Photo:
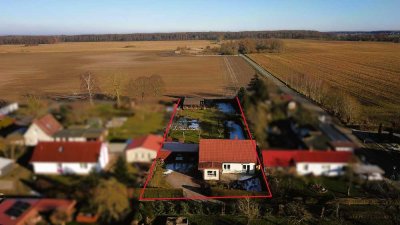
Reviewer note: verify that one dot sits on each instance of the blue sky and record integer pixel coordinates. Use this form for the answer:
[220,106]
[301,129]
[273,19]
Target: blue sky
[128,16]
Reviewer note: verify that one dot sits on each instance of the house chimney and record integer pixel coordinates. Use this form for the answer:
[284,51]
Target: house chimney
[60,149]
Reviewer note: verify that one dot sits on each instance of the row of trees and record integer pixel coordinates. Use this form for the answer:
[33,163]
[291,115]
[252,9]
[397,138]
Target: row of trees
[289,34]
[338,102]
[253,99]
[296,34]
[247,46]
[141,87]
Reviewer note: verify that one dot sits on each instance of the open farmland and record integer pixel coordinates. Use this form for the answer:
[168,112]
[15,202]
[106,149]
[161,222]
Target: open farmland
[369,71]
[56,68]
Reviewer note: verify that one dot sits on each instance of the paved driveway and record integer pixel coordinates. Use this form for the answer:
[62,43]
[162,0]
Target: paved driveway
[191,187]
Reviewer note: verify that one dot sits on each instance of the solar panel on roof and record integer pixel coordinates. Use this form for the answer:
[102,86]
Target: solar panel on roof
[17,209]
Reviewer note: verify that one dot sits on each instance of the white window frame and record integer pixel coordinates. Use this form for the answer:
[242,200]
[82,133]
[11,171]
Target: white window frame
[211,173]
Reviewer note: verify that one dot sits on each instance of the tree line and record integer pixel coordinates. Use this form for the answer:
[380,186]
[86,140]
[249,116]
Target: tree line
[280,34]
[247,46]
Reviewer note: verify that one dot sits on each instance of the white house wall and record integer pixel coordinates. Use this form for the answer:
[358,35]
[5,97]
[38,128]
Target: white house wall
[140,155]
[238,168]
[318,169]
[66,168]
[104,157]
[5,110]
[34,134]
[206,177]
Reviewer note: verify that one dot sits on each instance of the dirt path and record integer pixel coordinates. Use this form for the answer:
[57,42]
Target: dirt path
[231,77]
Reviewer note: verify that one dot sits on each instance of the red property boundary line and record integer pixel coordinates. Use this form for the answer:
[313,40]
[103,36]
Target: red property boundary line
[141,198]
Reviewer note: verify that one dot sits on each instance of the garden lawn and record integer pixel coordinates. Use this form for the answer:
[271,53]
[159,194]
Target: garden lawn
[211,123]
[145,121]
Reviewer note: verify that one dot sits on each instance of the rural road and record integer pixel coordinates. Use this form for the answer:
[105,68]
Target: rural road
[284,88]
[304,101]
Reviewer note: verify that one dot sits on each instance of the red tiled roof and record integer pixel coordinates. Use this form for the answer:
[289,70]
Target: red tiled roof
[225,150]
[163,154]
[67,152]
[323,156]
[48,124]
[283,158]
[35,206]
[278,158]
[151,142]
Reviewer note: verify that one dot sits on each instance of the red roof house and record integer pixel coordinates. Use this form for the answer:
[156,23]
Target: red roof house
[42,129]
[69,157]
[25,211]
[226,156]
[143,149]
[314,162]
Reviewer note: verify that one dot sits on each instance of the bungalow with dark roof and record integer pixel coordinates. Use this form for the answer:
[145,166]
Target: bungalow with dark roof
[69,157]
[42,129]
[327,163]
[220,156]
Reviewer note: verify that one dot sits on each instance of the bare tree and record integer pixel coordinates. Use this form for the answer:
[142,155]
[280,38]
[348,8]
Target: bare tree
[116,89]
[157,84]
[249,208]
[89,84]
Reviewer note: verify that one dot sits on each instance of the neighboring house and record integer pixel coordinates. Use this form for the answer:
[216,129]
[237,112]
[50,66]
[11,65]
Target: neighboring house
[15,211]
[69,157]
[6,165]
[81,134]
[347,146]
[219,156]
[368,172]
[42,129]
[143,149]
[327,163]
[7,107]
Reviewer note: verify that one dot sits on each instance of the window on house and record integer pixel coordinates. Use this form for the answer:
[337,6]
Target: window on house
[211,173]
[83,165]
[136,155]
[306,167]
[326,167]
[149,155]
[227,167]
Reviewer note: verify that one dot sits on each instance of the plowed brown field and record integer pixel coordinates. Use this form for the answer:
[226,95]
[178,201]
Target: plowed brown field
[55,68]
[370,71]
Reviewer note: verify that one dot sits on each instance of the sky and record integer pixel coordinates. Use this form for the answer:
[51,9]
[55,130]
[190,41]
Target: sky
[46,17]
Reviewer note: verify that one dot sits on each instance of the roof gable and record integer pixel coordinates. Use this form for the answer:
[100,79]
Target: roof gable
[64,152]
[48,124]
[150,142]
[226,150]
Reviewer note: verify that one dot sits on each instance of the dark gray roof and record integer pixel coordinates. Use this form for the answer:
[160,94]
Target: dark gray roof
[180,147]
[76,132]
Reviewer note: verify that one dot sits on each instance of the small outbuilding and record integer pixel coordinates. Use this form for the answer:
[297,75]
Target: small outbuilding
[6,165]
[193,103]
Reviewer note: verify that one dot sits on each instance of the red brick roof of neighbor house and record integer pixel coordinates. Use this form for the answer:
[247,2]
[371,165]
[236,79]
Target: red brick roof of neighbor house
[283,158]
[81,152]
[226,151]
[48,124]
[151,142]
[163,154]
[33,206]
